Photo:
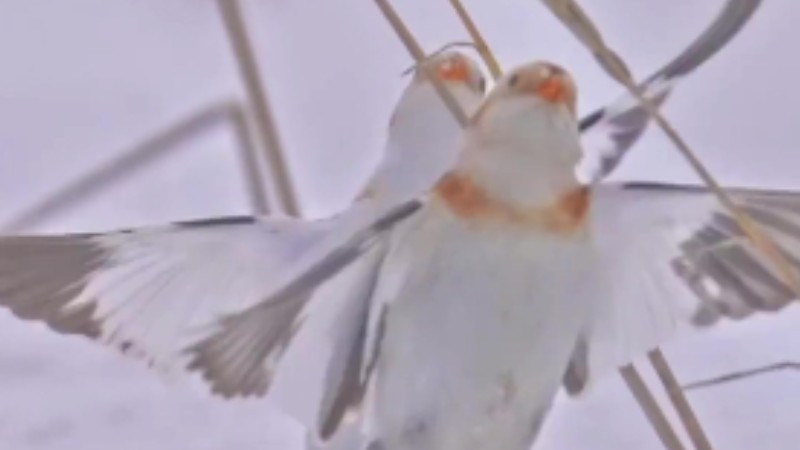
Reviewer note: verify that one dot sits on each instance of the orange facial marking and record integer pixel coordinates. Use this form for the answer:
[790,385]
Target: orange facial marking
[466,199]
[455,69]
[552,89]
[558,88]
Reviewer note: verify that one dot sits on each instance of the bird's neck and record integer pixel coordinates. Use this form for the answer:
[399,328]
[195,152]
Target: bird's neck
[421,99]
[422,142]
[527,160]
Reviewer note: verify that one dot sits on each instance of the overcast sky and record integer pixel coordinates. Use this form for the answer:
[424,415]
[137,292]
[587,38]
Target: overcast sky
[81,81]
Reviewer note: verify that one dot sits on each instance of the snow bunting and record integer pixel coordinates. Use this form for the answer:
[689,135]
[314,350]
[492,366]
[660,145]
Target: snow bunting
[516,277]
[110,287]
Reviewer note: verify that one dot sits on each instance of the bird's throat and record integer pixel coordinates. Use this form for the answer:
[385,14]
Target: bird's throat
[468,200]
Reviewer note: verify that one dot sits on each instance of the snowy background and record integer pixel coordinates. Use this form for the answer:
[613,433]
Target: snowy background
[83,80]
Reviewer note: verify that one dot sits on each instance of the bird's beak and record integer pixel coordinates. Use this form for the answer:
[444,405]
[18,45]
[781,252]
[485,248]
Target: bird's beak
[557,89]
[554,89]
[455,70]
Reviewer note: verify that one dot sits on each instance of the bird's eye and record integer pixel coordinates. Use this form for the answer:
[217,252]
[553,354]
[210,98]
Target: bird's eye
[513,80]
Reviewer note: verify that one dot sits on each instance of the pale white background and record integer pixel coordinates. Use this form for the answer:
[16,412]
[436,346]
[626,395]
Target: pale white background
[82,80]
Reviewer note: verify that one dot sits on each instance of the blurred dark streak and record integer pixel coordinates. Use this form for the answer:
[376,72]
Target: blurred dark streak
[741,375]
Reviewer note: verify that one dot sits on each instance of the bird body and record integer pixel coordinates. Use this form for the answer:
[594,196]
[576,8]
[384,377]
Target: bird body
[481,329]
[478,337]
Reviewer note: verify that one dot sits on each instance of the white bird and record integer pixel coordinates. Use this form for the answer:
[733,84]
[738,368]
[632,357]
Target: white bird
[512,266]
[515,274]
[159,292]
[495,271]
[418,151]
[422,134]
[190,295]
[607,135]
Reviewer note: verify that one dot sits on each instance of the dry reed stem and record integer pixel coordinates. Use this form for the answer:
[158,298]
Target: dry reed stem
[265,124]
[477,38]
[145,154]
[573,16]
[679,400]
[649,405]
[419,56]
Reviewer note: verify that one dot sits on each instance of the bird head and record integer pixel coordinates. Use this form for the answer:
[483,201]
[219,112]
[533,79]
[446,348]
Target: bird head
[537,85]
[454,69]
[523,143]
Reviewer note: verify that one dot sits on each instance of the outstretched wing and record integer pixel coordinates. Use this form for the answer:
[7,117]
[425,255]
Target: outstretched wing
[155,293]
[609,132]
[673,257]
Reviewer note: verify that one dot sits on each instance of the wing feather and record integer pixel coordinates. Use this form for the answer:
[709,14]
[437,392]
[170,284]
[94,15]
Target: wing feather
[158,293]
[608,133]
[673,257]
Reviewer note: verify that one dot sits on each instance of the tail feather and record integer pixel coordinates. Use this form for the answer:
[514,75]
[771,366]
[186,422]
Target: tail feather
[240,359]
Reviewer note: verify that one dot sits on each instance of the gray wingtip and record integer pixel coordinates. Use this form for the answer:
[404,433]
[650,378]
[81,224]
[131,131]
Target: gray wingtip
[240,358]
[41,277]
[212,359]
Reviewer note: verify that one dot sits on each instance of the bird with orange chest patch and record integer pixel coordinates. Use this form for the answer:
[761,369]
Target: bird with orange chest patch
[606,135]
[515,277]
[481,328]
[154,293]
[466,197]
[224,296]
